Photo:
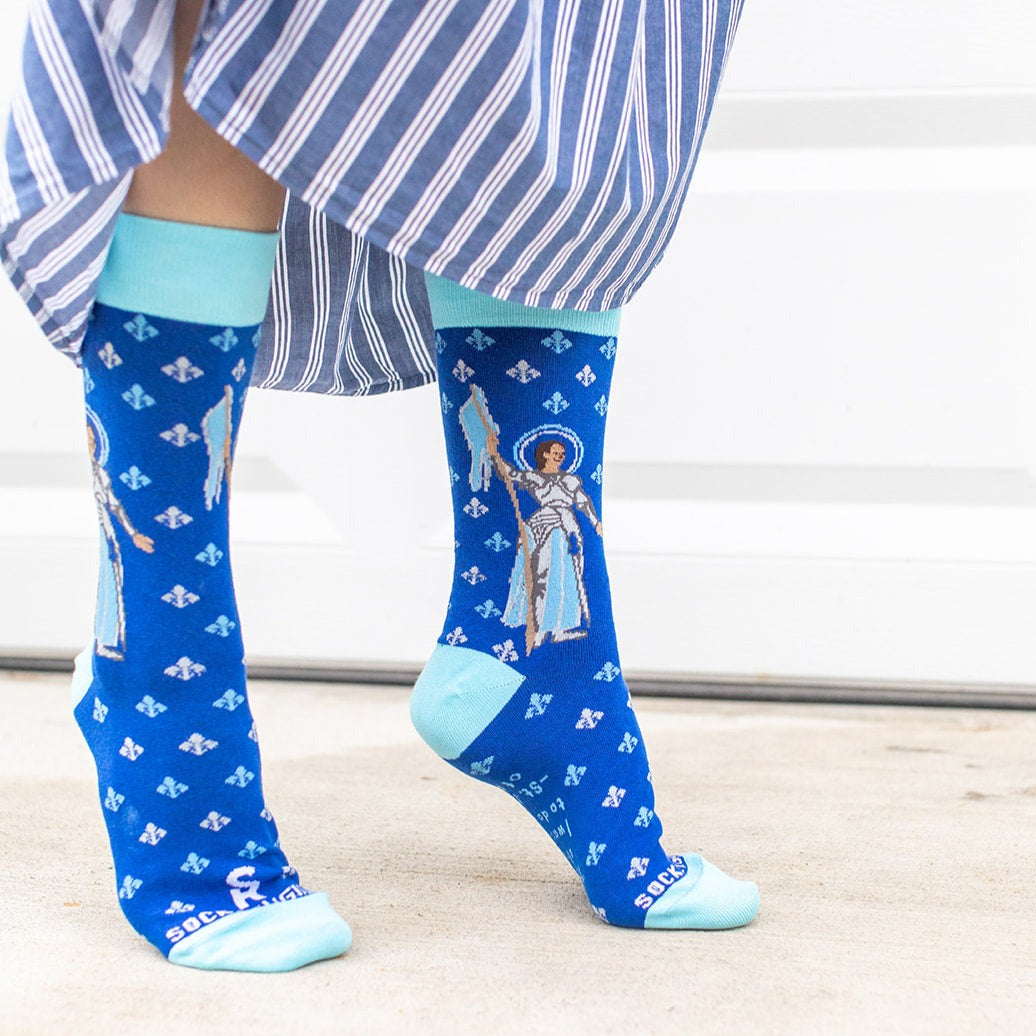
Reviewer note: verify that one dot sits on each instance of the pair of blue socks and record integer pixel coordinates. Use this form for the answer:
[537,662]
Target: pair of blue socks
[523,691]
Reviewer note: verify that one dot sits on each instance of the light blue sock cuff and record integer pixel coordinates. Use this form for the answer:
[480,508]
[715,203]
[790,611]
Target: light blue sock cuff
[183,271]
[455,306]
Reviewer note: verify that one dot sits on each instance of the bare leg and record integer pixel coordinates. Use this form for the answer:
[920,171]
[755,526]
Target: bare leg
[199,177]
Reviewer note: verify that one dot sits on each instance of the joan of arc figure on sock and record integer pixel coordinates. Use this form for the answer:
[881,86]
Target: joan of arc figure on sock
[110,625]
[548,568]
[217,428]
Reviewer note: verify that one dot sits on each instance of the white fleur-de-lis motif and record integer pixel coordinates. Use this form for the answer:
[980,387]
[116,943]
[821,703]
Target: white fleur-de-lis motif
[140,329]
[628,743]
[497,543]
[586,376]
[229,700]
[129,887]
[171,788]
[574,775]
[588,719]
[479,340]
[100,710]
[454,477]
[600,912]
[538,704]
[135,479]
[240,369]
[601,406]
[644,817]
[180,597]
[179,435]
[173,518]
[176,907]
[607,672]
[556,403]
[557,342]
[252,850]
[462,371]
[109,357]
[225,340]
[88,382]
[455,637]
[182,370]
[445,403]
[194,864]
[523,372]
[198,744]
[614,797]
[594,853]
[152,834]
[505,651]
[265,814]
[222,626]
[488,609]
[598,474]
[215,821]
[440,343]
[609,348]
[184,669]
[482,769]
[253,734]
[131,750]
[113,800]
[638,867]
[149,706]
[210,556]
[138,398]
[475,508]
[240,778]
[473,575]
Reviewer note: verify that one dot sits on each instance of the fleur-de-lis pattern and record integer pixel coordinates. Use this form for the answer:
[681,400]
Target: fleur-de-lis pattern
[134,478]
[182,794]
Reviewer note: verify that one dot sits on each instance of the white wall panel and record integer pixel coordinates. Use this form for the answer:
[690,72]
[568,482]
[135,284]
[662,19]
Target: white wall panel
[822,455]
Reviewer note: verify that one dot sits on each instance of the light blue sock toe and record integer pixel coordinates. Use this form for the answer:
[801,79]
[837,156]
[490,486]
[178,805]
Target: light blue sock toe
[714,901]
[279,937]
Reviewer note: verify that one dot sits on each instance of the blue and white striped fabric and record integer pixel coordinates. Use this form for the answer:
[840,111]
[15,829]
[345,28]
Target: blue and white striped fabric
[537,151]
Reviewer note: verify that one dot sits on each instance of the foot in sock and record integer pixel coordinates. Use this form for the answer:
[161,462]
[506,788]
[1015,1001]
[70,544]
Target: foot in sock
[524,690]
[161,696]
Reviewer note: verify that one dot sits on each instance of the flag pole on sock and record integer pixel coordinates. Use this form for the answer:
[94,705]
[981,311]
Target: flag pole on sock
[523,536]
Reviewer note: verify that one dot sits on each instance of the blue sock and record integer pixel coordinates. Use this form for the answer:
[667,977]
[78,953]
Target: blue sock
[161,695]
[524,690]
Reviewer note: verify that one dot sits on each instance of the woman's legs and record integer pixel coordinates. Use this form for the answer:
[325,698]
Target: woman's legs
[524,690]
[199,177]
[162,694]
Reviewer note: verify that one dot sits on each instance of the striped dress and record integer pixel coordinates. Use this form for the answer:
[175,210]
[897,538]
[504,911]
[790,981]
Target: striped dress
[536,150]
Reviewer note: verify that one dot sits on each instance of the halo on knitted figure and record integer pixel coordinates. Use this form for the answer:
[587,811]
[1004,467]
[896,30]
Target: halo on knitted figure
[102,447]
[548,431]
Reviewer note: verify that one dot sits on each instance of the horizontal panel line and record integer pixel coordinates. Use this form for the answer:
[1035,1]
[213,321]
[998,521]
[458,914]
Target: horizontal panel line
[801,691]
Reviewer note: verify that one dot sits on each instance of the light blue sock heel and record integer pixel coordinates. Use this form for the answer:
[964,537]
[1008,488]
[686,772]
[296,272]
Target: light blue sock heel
[458,694]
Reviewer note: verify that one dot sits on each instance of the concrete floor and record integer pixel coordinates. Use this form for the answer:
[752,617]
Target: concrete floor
[894,849]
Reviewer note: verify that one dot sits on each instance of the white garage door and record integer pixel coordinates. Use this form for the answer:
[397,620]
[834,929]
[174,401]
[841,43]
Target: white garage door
[822,455]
